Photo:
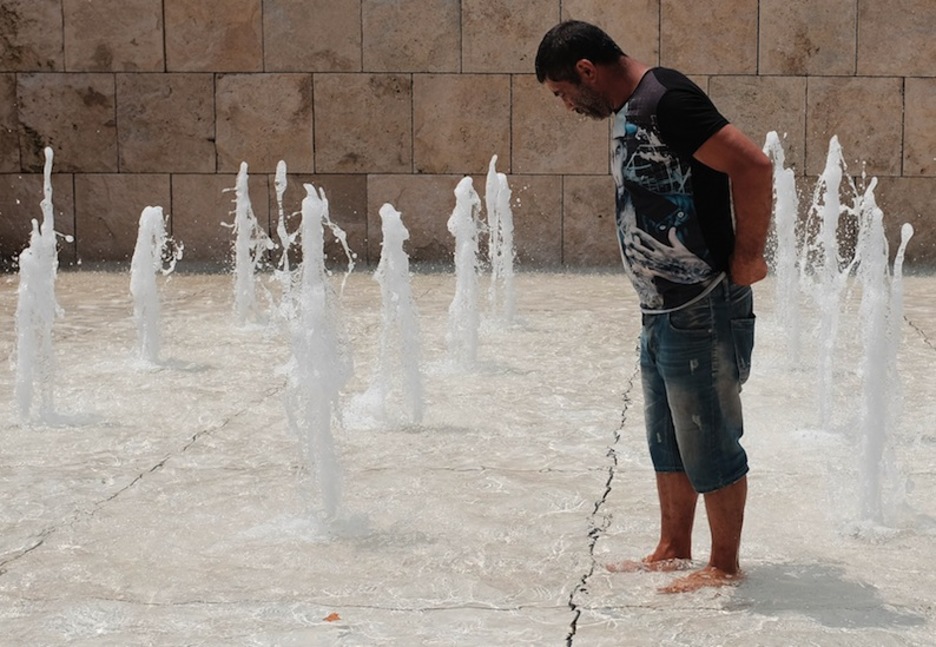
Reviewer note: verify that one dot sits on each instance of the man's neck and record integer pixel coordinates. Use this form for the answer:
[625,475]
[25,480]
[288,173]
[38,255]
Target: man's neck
[624,78]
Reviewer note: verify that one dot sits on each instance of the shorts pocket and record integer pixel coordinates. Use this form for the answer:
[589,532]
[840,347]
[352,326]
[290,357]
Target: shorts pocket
[742,333]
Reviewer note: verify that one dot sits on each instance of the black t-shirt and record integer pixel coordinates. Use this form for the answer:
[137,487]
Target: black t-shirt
[673,212]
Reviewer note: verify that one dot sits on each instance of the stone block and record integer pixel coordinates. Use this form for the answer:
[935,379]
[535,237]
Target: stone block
[709,37]
[107,212]
[425,202]
[895,37]
[460,121]
[214,36]
[9,125]
[363,123]
[20,198]
[910,200]
[760,104]
[411,35]
[31,36]
[589,234]
[548,138]
[165,123]
[262,119]
[113,36]
[807,37]
[865,114]
[500,36]
[536,204]
[72,113]
[633,24]
[919,134]
[201,207]
[312,35]
[347,208]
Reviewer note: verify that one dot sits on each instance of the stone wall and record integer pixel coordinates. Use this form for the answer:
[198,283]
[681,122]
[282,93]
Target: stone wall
[157,102]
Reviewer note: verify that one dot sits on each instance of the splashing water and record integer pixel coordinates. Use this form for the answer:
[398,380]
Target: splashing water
[286,239]
[152,247]
[500,247]
[249,245]
[320,365]
[36,310]
[463,312]
[786,210]
[881,313]
[881,489]
[400,323]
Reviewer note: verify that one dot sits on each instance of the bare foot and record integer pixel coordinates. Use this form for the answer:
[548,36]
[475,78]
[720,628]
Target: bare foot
[704,578]
[649,564]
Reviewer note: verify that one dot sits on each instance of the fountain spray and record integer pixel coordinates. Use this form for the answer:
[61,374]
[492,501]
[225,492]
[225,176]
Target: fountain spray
[249,244]
[400,323]
[37,309]
[463,319]
[786,210]
[152,247]
[500,247]
[320,365]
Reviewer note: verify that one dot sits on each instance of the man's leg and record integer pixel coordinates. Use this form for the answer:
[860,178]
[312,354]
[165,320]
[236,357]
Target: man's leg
[677,514]
[725,509]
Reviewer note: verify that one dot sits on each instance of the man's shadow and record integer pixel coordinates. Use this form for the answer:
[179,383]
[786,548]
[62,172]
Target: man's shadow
[821,592]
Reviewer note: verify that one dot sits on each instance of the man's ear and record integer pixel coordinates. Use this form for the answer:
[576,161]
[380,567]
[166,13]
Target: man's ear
[586,70]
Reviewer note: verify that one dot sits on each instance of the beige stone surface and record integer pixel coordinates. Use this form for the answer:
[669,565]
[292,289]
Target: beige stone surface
[895,37]
[201,207]
[72,113]
[865,114]
[113,35]
[312,35]
[347,208]
[460,121]
[920,127]
[633,24]
[165,123]
[31,36]
[20,195]
[548,138]
[425,202]
[709,37]
[589,234]
[9,124]
[411,35]
[213,36]
[107,212]
[913,201]
[363,123]
[500,36]
[264,118]
[536,203]
[815,37]
[760,104]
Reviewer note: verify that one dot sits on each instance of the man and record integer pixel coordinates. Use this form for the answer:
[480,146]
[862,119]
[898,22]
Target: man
[693,206]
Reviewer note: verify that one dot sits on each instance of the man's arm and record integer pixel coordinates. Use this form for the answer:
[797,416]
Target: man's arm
[751,175]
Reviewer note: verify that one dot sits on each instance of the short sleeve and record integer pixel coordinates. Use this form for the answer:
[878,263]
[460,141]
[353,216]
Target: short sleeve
[687,118]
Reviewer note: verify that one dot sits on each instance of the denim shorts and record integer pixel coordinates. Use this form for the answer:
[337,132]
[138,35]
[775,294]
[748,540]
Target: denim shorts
[693,362]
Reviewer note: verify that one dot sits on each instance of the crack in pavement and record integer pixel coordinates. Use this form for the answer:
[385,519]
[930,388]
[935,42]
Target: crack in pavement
[599,522]
[98,505]
[920,332]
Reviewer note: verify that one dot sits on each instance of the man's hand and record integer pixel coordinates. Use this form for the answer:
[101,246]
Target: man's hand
[747,271]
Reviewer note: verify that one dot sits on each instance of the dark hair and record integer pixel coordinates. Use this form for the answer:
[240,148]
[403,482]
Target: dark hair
[569,42]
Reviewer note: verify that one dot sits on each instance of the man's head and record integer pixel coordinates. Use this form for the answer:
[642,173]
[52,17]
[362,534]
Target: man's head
[569,42]
[569,62]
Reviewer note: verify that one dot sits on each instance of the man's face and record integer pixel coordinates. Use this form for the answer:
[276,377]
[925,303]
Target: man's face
[581,98]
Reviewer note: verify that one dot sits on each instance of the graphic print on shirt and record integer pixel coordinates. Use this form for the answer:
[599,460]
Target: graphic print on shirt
[658,231]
